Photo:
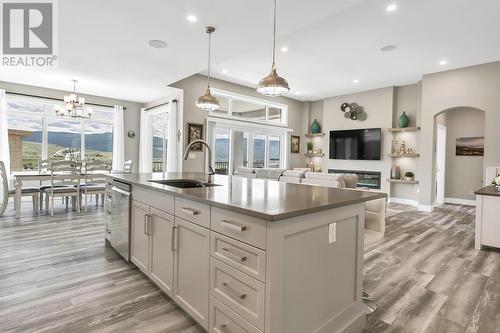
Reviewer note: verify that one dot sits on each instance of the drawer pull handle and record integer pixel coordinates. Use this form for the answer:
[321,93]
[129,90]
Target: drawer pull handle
[224,328]
[242,259]
[231,225]
[190,211]
[240,295]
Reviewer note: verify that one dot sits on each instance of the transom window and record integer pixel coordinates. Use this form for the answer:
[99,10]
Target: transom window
[245,108]
[36,133]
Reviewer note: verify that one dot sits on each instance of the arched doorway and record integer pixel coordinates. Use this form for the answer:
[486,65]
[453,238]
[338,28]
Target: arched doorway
[458,165]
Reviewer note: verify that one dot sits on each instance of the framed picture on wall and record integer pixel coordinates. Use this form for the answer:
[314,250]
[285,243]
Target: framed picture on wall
[470,146]
[195,132]
[295,144]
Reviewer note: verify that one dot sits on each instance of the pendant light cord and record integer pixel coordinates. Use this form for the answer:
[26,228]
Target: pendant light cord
[274,35]
[209,56]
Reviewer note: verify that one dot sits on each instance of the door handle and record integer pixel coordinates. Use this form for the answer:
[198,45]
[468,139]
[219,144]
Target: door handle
[232,225]
[190,211]
[235,256]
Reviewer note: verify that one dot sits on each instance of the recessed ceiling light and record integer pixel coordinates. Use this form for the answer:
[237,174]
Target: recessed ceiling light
[224,71]
[355,81]
[298,93]
[388,48]
[192,18]
[392,7]
[284,49]
[443,62]
[157,44]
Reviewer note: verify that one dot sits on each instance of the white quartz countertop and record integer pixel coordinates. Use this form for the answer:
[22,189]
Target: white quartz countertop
[267,199]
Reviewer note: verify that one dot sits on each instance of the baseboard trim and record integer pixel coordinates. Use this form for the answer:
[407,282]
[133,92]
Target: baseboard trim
[425,208]
[457,201]
[404,201]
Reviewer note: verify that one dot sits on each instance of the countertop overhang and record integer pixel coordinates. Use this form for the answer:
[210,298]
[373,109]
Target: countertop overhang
[266,199]
[488,190]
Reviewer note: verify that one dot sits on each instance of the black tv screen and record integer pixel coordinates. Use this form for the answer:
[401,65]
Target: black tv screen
[359,144]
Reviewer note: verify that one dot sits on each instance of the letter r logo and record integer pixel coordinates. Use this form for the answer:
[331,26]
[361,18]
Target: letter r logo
[27,28]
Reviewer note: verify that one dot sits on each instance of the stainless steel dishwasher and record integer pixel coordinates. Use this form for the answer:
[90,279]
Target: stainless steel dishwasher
[117,206]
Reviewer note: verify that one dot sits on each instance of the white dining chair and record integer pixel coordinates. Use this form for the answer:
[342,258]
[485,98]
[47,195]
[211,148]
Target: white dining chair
[64,182]
[94,182]
[6,193]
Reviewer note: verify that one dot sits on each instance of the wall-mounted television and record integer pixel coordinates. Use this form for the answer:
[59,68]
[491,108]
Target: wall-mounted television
[359,144]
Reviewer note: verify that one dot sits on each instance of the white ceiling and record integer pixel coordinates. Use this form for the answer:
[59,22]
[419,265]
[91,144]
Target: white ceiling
[104,44]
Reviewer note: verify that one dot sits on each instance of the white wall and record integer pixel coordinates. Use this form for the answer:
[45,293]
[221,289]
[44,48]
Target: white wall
[195,85]
[378,105]
[131,114]
[464,174]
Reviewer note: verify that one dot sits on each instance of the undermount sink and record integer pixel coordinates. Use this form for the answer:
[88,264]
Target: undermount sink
[183,183]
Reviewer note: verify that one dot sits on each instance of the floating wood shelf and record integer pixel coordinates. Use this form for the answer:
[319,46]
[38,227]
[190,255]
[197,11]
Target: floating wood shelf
[402,181]
[405,129]
[311,135]
[314,155]
[404,155]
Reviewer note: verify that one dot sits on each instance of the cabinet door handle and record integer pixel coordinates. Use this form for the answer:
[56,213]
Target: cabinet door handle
[149,224]
[224,328]
[232,225]
[146,224]
[190,211]
[234,256]
[173,242]
[234,291]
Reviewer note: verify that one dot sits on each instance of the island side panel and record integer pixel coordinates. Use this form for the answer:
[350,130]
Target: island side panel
[314,285]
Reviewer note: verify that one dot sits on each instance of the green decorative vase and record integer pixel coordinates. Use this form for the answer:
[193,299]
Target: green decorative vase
[403,120]
[315,128]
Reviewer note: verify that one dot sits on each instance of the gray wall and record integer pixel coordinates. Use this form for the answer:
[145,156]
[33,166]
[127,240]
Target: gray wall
[477,87]
[195,85]
[131,114]
[464,174]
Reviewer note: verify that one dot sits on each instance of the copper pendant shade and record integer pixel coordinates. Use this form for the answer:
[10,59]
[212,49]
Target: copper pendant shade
[208,102]
[273,85]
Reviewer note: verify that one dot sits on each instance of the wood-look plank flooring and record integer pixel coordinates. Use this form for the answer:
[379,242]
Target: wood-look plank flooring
[57,276]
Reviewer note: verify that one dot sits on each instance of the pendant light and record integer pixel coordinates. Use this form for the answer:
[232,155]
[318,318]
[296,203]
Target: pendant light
[208,102]
[273,85]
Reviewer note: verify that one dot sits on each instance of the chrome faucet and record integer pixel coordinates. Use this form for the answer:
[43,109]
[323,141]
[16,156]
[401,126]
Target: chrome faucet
[203,142]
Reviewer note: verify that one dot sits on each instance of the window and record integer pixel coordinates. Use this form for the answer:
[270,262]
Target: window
[240,148]
[259,150]
[159,122]
[244,108]
[222,151]
[274,154]
[36,133]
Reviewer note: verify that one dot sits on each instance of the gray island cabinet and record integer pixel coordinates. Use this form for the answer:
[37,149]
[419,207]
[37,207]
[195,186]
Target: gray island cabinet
[253,255]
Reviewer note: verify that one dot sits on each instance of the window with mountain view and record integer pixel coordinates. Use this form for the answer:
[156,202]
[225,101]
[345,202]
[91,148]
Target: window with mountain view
[36,133]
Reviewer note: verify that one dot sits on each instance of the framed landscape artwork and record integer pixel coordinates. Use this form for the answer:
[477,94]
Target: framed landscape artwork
[295,144]
[195,132]
[470,146]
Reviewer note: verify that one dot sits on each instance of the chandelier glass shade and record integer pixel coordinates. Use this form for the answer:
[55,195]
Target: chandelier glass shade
[207,101]
[273,85]
[74,106]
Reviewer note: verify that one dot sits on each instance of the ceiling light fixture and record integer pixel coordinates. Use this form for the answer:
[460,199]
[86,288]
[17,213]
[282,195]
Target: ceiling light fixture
[74,106]
[355,81]
[157,44]
[443,62]
[388,48]
[192,18]
[273,85]
[392,7]
[224,71]
[284,49]
[208,102]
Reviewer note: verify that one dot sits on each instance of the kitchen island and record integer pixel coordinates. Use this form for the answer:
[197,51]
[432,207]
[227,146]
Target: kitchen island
[250,255]
[487,221]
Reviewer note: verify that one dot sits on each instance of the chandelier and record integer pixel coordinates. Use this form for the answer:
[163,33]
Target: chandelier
[74,106]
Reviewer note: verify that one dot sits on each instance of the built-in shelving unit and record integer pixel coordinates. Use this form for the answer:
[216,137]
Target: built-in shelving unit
[313,135]
[404,155]
[404,129]
[402,181]
[314,155]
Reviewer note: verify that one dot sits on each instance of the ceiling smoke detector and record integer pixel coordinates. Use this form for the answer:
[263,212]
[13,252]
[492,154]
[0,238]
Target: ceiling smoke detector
[388,48]
[157,44]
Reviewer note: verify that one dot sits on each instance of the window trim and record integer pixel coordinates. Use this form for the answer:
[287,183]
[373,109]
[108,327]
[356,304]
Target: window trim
[265,103]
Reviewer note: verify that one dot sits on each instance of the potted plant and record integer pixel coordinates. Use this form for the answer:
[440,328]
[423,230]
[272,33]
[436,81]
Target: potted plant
[409,175]
[309,147]
[496,183]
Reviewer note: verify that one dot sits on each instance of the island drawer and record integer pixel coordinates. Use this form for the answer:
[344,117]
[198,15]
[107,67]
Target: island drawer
[193,211]
[240,292]
[246,258]
[245,228]
[156,199]
[224,320]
